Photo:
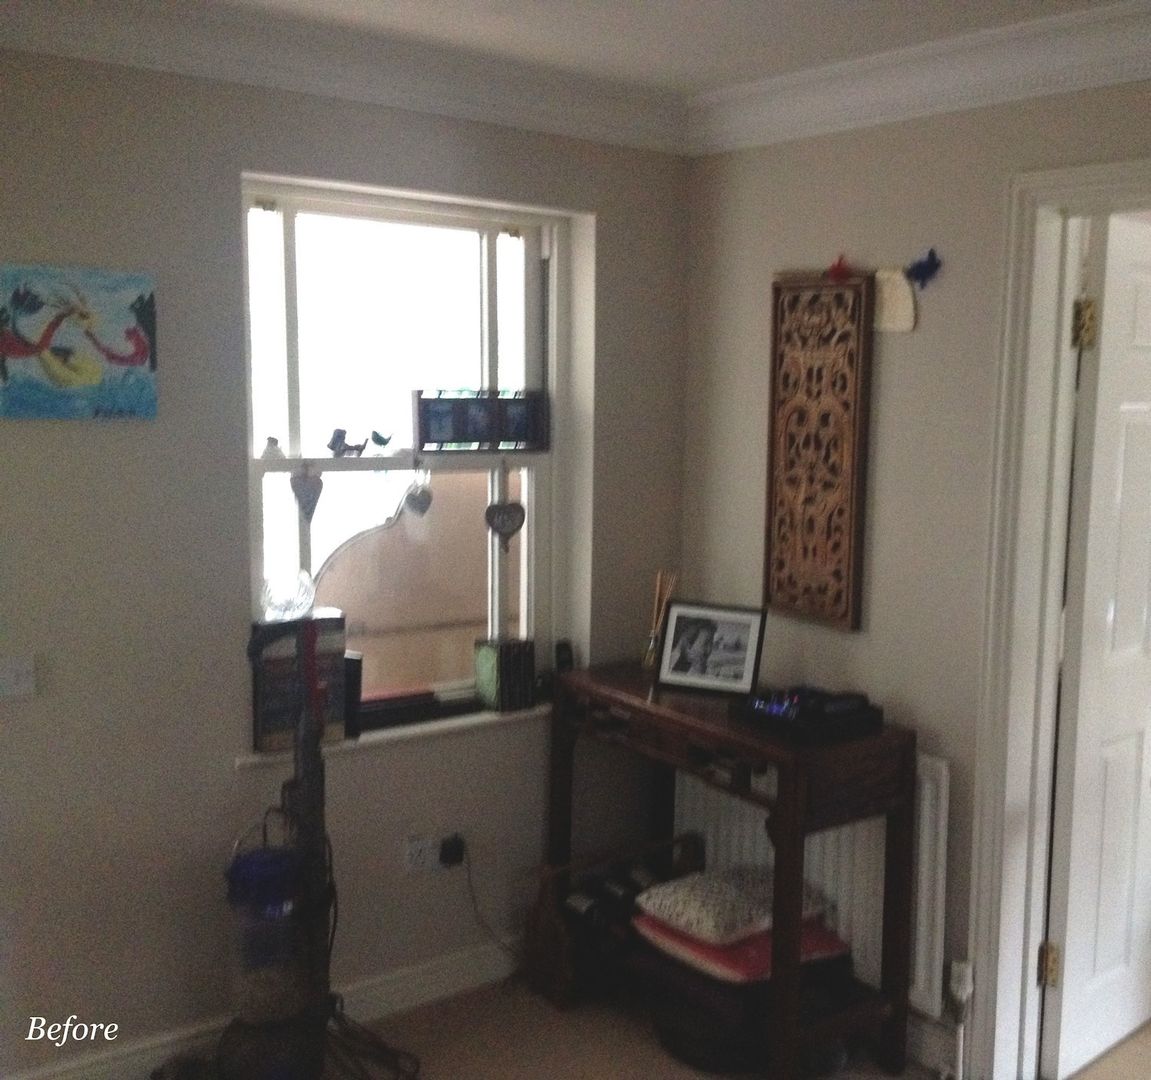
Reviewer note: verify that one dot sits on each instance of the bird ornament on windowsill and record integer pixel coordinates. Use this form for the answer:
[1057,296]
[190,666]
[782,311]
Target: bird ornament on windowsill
[340,447]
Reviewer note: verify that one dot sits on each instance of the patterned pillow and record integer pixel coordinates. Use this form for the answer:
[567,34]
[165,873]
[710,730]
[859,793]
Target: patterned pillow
[759,882]
[721,907]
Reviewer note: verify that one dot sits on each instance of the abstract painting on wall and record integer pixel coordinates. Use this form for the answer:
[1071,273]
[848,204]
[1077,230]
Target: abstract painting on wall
[76,344]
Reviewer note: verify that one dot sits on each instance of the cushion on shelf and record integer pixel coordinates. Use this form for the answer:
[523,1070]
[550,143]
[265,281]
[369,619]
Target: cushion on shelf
[745,961]
[721,907]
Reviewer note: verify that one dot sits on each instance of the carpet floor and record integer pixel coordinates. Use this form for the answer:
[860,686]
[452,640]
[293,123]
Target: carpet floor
[505,1032]
[1130,1060]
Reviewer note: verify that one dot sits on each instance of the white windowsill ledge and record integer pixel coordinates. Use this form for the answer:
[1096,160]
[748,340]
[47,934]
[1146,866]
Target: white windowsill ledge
[425,729]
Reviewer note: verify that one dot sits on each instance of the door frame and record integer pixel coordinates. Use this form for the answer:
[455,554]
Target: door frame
[1015,723]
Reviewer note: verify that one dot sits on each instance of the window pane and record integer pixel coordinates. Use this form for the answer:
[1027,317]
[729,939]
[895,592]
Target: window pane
[281,529]
[516,566]
[510,310]
[350,503]
[414,591]
[385,308]
[266,328]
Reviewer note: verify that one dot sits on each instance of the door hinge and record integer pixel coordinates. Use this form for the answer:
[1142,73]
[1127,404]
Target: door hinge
[1084,323]
[1050,965]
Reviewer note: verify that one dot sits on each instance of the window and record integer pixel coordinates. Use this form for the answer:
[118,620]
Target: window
[354,302]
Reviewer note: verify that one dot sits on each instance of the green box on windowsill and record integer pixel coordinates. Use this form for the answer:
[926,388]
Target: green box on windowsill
[506,674]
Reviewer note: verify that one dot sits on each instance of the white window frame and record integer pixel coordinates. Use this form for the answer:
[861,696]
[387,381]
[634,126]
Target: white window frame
[546,236]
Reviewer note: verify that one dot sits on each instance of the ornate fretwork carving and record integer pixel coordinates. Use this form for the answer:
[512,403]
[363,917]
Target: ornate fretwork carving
[820,359]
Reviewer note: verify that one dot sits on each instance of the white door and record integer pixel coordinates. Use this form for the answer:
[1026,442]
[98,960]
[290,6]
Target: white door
[1100,905]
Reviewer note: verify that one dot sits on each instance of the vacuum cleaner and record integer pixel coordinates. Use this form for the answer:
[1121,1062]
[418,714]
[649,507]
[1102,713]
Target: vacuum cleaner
[291,1026]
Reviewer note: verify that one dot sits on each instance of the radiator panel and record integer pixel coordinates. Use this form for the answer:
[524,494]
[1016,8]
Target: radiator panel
[847,863]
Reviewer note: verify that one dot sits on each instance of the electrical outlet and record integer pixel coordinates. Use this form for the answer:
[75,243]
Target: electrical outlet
[421,853]
[424,852]
[17,677]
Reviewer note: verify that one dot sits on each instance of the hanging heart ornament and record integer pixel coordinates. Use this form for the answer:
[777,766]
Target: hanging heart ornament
[307,487]
[505,520]
[418,499]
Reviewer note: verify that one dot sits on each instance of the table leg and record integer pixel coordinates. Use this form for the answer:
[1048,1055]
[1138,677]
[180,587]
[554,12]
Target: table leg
[561,768]
[895,979]
[661,816]
[787,915]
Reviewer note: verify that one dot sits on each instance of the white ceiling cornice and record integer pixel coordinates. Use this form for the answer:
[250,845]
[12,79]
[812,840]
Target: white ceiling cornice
[1094,47]
[334,61]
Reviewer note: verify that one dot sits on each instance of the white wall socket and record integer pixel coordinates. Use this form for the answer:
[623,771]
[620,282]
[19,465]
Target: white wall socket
[421,853]
[17,677]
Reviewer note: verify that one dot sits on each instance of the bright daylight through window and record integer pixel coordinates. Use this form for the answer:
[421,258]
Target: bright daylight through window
[354,302]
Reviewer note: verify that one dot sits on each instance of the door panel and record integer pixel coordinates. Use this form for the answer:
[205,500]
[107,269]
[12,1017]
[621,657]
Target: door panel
[1132,587]
[1122,761]
[1100,910]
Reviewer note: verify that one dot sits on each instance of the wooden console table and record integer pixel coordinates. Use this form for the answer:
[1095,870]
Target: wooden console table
[815,788]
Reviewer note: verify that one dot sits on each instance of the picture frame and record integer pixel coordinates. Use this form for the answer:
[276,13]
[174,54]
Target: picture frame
[480,421]
[710,647]
[817,450]
[77,343]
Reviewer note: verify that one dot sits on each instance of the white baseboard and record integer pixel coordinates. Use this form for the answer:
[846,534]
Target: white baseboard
[405,988]
[366,1000]
[931,1043]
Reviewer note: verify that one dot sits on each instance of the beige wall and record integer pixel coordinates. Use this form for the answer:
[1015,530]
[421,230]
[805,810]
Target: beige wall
[125,555]
[124,566]
[882,197]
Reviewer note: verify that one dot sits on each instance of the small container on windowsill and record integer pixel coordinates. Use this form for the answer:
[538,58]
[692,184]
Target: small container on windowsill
[505,673]
[353,687]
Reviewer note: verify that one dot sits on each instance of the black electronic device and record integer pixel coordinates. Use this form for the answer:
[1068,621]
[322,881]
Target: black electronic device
[809,715]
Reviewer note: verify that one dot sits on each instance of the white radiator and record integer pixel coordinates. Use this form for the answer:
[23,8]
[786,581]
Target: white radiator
[847,864]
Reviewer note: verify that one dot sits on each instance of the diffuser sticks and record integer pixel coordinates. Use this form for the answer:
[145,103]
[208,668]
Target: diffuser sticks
[665,583]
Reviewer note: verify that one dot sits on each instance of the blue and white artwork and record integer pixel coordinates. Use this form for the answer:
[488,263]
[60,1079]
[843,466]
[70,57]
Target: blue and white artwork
[76,344]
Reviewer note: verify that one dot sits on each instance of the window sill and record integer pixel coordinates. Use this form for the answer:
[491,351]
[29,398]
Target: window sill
[382,737]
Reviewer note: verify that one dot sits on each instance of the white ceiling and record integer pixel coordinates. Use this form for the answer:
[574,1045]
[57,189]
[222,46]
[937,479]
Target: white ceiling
[688,76]
[680,46]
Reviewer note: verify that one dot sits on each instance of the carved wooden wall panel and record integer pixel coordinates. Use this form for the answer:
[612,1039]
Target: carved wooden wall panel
[820,361]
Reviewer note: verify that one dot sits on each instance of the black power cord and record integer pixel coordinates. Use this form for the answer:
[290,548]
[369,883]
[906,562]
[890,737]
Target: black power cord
[351,1045]
[454,851]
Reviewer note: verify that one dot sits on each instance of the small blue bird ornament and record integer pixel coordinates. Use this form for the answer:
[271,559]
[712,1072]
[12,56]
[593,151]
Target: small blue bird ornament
[923,270]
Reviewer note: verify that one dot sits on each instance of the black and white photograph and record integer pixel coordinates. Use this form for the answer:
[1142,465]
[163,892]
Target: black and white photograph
[711,648]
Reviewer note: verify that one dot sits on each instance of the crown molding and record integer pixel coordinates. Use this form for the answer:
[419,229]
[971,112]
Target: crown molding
[1096,47]
[232,45]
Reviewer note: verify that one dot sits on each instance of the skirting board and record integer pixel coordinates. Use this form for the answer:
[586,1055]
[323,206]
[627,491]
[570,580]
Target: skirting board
[929,1042]
[366,1000]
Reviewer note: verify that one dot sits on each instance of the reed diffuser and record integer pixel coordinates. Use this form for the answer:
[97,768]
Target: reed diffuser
[665,582]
